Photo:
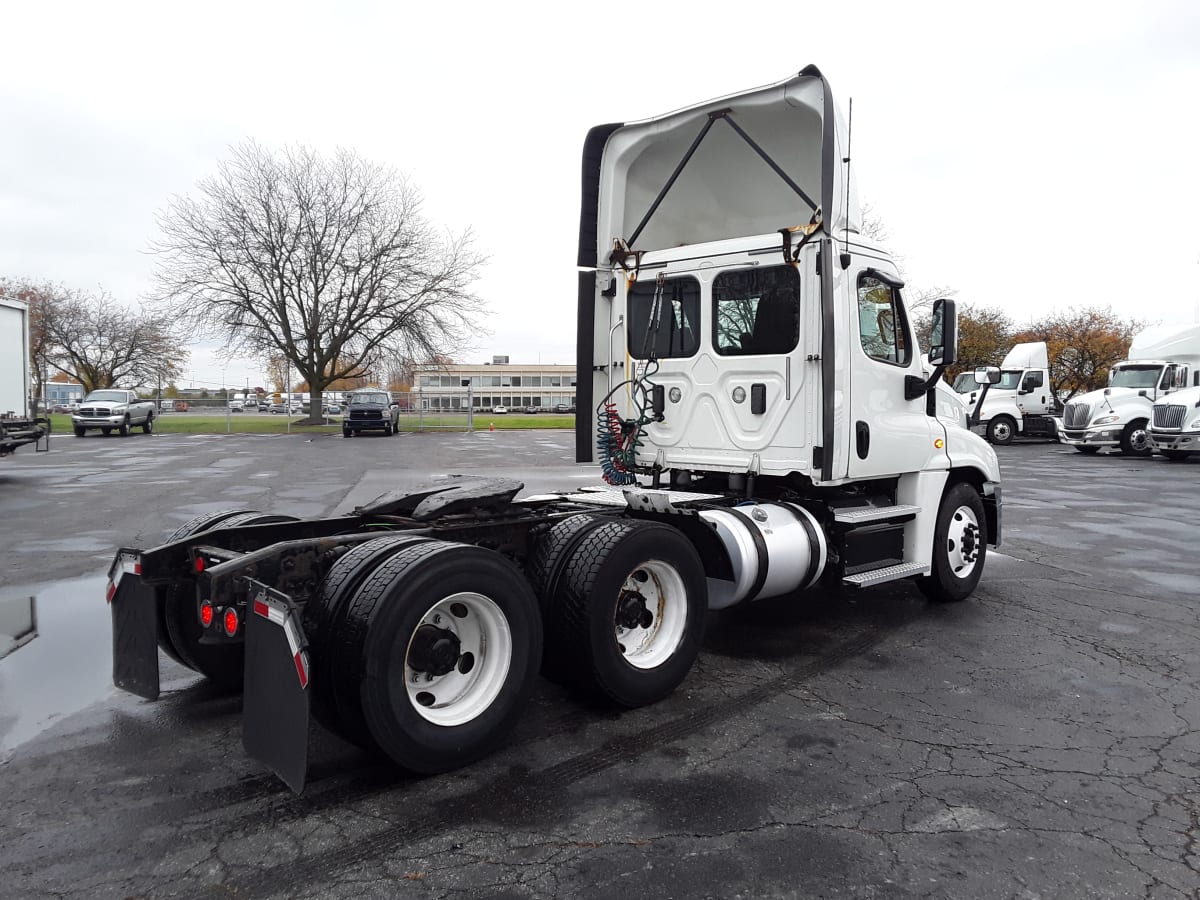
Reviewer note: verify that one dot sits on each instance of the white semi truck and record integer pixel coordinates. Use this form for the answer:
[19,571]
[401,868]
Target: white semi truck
[19,425]
[1021,404]
[760,409]
[1161,360]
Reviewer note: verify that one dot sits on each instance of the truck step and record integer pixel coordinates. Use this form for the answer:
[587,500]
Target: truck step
[859,515]
[887,573]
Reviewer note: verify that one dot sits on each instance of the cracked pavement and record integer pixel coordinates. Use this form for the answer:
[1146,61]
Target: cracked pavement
[1037,740]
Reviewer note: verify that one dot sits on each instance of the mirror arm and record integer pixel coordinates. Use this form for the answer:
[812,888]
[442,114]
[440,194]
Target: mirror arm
[915,387]
[973,418]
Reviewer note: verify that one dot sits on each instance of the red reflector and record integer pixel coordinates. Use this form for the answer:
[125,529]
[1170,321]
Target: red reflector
[199,563]
[231,622]
[206,614]
[262,609]
[110,593]
[137,568]
[301,670]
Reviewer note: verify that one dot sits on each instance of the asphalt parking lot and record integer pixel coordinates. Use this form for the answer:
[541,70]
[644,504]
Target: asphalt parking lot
[1038,740]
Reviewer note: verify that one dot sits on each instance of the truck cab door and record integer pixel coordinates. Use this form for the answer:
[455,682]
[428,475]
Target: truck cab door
[887,433]
[1034,394]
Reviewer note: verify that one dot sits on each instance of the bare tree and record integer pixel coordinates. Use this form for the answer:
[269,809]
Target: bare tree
[102,343]
[327,261]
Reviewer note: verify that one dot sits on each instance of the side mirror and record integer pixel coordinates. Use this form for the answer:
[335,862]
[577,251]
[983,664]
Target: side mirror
[943,342]
[987,375]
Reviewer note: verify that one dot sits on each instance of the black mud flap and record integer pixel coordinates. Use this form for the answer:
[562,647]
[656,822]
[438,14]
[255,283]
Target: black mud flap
[135,626]
[275,697]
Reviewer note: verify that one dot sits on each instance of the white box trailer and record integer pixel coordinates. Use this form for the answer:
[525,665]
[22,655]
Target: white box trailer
[18,425]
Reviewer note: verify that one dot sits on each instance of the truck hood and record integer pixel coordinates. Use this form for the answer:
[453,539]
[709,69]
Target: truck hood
[723,187]
[1120,399]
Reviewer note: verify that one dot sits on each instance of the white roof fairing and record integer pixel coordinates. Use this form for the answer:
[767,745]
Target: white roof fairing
[726,189]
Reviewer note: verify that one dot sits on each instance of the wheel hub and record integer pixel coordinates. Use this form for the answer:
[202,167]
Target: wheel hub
[632,611]
[434,650]
[970,542]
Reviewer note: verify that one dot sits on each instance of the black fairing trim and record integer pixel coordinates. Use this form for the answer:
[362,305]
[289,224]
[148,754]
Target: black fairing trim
[828,337]
[584,350]
[589,205]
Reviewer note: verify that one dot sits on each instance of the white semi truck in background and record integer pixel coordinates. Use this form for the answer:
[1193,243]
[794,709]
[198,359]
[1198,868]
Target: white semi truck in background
[1021,404]
[759,404]
[1161,361]
[19,425]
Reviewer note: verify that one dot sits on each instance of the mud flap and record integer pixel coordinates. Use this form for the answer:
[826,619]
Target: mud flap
[275,706]
[135,626]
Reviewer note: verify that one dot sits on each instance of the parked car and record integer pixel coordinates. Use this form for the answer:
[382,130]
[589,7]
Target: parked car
[332,409]
[283,409]
[251,404]
[564,408]
[166,405]
[370,411]
[236,406]
[500,410]
[64,407]
[533,409]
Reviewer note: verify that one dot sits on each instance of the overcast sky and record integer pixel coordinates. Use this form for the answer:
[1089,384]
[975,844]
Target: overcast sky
[1030,156]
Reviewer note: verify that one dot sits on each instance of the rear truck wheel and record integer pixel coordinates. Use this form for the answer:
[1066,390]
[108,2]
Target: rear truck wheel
[1135,439]
[148,425]
[959,546]
[324,618]
[446,638]
[106,431]
[1174,455]
[1001,430]
[123,429]
[80,432]
[627,616]
[1088,451]
[221,664]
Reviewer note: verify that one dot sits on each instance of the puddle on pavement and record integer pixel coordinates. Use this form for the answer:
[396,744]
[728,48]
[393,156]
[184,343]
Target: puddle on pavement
[64,667]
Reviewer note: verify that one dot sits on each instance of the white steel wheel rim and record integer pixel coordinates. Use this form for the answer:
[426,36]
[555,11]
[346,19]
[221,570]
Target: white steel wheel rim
[661,589]
[964,542]
[457,697]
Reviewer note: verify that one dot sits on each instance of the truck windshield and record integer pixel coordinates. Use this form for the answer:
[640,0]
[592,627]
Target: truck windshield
[1009,379]
[1135,376]
[370,399]
[965,382]
[109,396]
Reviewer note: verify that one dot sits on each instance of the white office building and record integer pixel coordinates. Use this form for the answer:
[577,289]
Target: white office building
[483,387]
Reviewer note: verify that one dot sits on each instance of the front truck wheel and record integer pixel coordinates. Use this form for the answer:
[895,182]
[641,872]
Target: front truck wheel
[628,612]
[1001,430]
[179,625]
[959,546]
[1135,439]
[445,640]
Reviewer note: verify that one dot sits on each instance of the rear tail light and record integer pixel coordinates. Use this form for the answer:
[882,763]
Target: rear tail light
[199,563]
[206,614]
[231,622]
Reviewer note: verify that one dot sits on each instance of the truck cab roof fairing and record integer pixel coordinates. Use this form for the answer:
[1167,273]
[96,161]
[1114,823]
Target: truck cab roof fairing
[726,188]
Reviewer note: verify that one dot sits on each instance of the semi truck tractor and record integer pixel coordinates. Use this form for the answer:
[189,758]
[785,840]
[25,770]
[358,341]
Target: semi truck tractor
[19,425]
[1161,361]
[1175,424]
[1021,404]
[757,404]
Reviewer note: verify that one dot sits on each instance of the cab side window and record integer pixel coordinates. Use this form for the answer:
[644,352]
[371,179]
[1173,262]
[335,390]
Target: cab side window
[882,328]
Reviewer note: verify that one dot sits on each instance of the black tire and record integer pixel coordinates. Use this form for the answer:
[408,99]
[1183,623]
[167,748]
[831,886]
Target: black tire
[958,543]
[324,618]
[1175,455]
[387,429]
[1001,430]
[1135,439]
[123,428]
[381,626]
[395,428]
[148,425]
[606,632]
[106,431]
[221,664]
[80,432]
[346,432]
[1088,451]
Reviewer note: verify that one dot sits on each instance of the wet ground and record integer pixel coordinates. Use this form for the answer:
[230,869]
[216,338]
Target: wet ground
[1037,740]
